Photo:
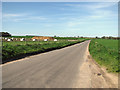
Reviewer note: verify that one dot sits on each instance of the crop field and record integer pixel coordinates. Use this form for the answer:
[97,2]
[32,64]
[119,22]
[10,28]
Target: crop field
[105,52]
[68,38]
[22,36]
[28,42]
[16,49]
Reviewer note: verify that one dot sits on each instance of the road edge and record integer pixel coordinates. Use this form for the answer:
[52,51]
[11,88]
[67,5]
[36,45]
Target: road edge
[26,57]
[103,72]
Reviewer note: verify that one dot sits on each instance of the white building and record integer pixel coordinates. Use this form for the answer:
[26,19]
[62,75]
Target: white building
[55,39]
[22,39]
[45,39]
[6,38]
[33,39]
[12,38]
[9,40]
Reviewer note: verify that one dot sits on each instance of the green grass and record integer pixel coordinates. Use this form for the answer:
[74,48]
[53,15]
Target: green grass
[109,43]
[14,43]
[16,49]
[22,36]
[105,52]
[68,38]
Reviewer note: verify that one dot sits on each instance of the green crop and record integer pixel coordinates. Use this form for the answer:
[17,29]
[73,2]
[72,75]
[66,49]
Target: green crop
[12,50]
[105,52]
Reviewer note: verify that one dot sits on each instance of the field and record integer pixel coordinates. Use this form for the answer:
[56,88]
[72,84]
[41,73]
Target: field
[14,50]
[22,36]
[105,52]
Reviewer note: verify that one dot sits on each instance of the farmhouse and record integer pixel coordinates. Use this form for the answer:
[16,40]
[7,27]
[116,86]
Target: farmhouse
[42,38]
[55,39]
[9,40]
[22,39]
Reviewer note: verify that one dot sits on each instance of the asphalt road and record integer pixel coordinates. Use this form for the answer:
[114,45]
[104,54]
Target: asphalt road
[54,69]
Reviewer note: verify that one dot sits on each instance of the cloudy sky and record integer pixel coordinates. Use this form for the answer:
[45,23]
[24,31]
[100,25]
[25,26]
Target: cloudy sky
[60,18]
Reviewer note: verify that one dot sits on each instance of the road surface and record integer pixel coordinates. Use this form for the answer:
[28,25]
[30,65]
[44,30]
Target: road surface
[63,68]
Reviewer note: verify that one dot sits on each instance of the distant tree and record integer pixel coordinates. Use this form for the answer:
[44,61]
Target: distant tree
[5,34]
[110,37]
[103,37]
[55,36]
[96,37]
[81,36]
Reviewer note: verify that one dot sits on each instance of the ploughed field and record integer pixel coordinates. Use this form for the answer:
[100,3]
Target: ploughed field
[16,49]
[105,52]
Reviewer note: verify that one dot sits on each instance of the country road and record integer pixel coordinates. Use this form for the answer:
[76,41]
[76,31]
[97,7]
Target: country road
[63,68]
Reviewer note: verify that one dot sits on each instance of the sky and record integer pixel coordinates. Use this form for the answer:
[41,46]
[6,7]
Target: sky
[87,19]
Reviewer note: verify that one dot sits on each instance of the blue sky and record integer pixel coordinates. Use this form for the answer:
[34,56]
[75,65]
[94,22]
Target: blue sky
[61,18]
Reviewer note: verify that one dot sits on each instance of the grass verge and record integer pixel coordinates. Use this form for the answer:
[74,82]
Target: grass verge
[13,51]
[105,53]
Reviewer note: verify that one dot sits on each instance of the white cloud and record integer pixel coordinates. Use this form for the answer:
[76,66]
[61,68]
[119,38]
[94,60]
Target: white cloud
[100,5]
[12,15]
[74,23]
[104,14]
[95,10]
[48,25]
[21,17]
[37,18]
[30,18]
[92,5]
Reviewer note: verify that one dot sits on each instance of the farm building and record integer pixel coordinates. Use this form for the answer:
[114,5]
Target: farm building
[55,39]
[42,38]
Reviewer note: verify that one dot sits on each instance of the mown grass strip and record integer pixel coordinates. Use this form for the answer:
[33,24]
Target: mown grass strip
[104,55]
[10,52]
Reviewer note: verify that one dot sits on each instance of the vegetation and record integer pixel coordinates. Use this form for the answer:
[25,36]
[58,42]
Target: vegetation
[5,34]
[22,36]
[68,38]
[12,50]
[110,37]
[105,52]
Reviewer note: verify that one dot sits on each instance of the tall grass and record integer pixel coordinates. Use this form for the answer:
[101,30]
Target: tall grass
[105,52]
[22,36]
[16,49]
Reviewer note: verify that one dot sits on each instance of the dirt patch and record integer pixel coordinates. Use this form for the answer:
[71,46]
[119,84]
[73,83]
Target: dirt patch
[91,75]
[100,78]
[97,79]
[84,76]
